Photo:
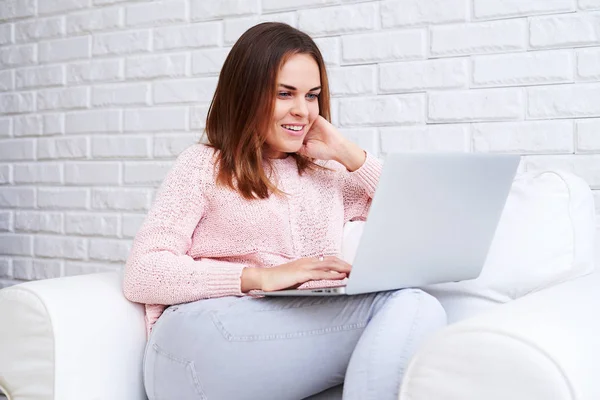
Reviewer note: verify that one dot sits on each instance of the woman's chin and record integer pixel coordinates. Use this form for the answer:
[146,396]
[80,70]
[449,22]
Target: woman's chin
[292,147]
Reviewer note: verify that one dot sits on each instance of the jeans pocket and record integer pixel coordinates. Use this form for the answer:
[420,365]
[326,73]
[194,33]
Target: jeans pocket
[287,318]
[173,377]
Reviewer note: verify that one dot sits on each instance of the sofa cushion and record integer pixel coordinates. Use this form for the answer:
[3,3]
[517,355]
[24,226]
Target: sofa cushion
[71,338]
[545,236]
[26,355]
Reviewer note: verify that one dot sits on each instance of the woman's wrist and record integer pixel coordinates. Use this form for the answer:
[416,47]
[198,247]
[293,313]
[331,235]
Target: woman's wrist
[251,279]
[350,155]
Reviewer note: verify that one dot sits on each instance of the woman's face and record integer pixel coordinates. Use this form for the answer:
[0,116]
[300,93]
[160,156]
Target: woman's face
[296,105]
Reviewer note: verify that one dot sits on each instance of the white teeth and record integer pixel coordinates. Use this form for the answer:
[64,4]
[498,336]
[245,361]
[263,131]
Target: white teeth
[293,128]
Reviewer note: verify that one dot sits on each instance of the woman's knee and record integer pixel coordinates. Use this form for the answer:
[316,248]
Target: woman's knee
[426,306]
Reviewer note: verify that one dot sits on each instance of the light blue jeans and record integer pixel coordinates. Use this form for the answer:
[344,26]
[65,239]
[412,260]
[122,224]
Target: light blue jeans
[288,348]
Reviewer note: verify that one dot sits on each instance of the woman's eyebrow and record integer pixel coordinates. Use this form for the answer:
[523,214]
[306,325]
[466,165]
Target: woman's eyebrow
[293,88]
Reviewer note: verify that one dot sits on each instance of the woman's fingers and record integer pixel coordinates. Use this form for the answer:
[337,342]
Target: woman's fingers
[318,275]
[333,263]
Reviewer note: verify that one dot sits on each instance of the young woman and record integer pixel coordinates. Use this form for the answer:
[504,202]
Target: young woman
[262,206]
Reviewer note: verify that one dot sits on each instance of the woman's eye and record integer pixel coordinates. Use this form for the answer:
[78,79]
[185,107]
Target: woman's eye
[312,96]
[284,94]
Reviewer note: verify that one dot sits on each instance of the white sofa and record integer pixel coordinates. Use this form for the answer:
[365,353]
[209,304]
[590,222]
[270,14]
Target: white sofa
[526,329]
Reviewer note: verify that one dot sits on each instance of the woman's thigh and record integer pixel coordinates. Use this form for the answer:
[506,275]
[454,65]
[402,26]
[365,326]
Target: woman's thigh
[249,348]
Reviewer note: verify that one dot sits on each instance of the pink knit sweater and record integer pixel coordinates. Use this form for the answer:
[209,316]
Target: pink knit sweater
[198,236]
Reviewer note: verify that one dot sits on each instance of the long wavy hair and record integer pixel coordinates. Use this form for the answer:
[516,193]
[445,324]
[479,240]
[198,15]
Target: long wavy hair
[243,104]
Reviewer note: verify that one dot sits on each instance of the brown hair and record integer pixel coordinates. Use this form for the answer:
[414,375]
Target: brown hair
[241,110]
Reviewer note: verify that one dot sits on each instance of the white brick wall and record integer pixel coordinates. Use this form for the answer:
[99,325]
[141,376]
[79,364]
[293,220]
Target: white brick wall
[97,97]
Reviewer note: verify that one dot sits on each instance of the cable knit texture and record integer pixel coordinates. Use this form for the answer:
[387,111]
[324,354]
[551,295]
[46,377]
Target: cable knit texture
[198,237]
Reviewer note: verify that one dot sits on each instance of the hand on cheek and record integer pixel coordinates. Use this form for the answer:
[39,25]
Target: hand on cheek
[322,141]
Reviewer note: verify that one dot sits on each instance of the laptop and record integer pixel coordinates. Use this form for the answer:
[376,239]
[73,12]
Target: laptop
[432,220]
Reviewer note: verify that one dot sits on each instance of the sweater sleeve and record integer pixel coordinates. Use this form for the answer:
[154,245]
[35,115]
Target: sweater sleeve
[159,269]
[358,188]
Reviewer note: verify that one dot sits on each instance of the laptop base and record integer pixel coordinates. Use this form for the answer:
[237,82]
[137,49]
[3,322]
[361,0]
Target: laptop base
[330,291]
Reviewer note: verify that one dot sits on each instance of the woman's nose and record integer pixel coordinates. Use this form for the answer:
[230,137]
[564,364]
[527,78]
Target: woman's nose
[300,108]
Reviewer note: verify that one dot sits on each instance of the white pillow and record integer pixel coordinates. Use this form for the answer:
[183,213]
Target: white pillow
[545,236]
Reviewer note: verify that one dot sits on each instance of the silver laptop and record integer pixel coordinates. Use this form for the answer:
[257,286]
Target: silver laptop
[432,220]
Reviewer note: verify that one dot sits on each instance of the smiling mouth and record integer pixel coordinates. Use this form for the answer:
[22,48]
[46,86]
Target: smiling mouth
[295,130]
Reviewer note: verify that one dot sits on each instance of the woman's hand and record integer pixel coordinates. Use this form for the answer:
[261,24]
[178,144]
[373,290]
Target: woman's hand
[324,142]
[294,274]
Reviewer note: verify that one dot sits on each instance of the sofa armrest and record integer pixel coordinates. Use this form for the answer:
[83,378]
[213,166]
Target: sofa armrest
[72,338]
[542,346]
